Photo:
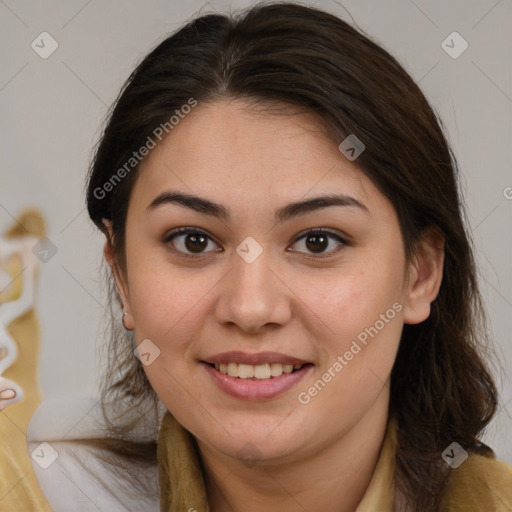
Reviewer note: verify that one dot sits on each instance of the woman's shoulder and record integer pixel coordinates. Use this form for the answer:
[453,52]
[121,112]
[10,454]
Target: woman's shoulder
[479,483]
[71,471]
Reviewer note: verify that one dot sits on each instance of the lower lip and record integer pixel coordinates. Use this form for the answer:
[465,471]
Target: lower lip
[257,389]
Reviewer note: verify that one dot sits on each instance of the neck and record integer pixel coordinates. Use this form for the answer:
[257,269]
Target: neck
[333,480]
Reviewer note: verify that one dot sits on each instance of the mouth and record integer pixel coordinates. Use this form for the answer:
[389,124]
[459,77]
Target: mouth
[263,371]
[256,382]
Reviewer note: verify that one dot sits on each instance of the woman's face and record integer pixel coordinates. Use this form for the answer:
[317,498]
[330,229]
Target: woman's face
[253,276]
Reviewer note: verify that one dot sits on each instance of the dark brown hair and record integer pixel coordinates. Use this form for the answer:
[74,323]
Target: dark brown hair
[285,53]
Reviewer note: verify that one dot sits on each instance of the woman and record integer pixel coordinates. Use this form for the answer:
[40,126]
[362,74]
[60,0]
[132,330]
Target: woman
[284,227]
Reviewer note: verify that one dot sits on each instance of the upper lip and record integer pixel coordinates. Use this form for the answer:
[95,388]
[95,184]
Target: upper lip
[254,359]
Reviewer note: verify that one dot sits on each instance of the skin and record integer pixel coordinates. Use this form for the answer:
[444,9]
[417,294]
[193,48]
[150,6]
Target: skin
[289,300]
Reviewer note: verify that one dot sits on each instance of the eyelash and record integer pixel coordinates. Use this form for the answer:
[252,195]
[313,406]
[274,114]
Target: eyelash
[195,231]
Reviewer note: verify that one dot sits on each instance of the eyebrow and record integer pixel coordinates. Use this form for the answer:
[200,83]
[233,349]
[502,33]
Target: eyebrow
[207,207]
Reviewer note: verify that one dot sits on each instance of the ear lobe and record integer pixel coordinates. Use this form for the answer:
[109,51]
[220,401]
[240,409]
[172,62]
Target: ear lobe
[425,276]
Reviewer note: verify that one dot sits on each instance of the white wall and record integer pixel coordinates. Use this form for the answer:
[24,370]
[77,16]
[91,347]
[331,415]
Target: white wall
[52,110]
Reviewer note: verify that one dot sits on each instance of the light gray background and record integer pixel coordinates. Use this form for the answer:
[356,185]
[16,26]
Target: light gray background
[52,112]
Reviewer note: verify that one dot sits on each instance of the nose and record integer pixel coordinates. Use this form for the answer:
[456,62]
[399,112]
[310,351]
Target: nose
[254,296]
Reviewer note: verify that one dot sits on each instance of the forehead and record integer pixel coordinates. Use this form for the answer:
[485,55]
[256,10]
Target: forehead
[228,149]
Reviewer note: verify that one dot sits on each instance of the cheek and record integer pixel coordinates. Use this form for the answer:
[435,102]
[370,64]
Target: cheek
[169,308]
[362,313]
[166,301]
[346,302]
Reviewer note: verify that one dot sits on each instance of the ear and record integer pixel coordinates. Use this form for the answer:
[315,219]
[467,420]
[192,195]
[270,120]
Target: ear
[425,274]
[119,277]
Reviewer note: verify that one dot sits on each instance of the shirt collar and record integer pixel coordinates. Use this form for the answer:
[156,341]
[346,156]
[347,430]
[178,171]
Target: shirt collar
[379,494]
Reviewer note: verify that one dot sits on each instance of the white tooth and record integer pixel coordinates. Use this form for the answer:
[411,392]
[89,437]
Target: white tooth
[276,369]
[233,369]
[262,371]
[223,368]
[217,366]
[245,371]
[297,366]
[287,368]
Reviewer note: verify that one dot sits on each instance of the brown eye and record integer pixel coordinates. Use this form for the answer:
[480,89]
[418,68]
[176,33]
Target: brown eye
[196,243]
[189,242]
[317,242]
